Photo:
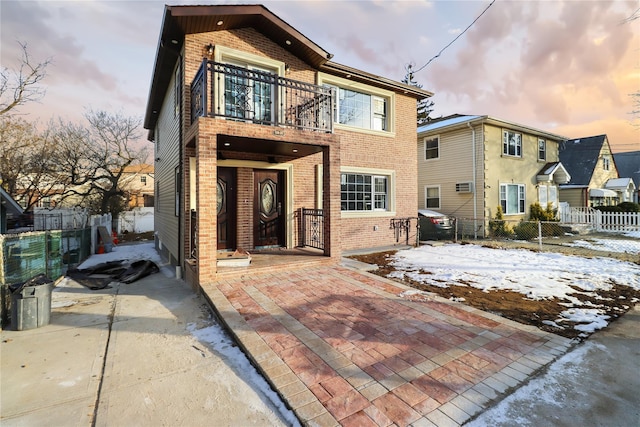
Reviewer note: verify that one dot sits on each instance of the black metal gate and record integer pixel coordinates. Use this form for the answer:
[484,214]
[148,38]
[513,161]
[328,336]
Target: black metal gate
[312,228]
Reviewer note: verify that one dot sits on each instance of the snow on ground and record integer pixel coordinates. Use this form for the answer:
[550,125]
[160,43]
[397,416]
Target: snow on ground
[213,335]
[610,245]
[129,252]
[221,343]
[538,275]
[549,389]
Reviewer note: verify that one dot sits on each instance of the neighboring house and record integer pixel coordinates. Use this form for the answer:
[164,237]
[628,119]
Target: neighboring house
[595,179]
[138,184]
[7,206]
[252,122]
[628,164]
[470,165]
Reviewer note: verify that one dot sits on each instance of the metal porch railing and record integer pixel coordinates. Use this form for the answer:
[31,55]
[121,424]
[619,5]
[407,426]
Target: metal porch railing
[238,93]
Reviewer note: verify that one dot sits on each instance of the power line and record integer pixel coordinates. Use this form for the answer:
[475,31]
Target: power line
[457,37]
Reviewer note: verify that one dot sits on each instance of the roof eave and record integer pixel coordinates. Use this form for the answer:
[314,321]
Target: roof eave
[382,82]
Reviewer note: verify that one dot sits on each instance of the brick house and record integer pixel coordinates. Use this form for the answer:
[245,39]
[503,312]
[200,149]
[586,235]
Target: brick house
[260,139]
[470,165]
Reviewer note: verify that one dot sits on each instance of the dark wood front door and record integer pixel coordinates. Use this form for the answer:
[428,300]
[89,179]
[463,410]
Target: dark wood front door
[269,208]
[226,208]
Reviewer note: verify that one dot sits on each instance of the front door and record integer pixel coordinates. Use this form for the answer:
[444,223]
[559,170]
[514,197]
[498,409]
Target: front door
[269,208]
[226,208]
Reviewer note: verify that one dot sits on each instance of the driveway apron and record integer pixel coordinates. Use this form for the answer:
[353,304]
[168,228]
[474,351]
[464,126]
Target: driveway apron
[345,347]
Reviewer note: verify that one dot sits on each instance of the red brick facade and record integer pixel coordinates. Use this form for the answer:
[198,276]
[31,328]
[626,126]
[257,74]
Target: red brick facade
[312,180]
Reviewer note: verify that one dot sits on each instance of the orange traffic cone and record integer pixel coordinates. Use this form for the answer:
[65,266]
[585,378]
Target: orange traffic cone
[114,237]
[100,248]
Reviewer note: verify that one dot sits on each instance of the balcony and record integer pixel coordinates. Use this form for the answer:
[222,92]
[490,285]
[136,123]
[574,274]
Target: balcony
[237,93]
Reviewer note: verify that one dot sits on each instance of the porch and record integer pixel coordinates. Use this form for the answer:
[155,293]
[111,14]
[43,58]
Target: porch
[262,97]
[267,261]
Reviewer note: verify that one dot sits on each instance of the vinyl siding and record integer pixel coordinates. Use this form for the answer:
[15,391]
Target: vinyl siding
[167,150]
[454,165]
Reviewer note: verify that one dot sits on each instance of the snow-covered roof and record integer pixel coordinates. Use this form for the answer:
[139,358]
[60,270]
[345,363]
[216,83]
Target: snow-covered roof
[620,183]
[439,124]
[553,172]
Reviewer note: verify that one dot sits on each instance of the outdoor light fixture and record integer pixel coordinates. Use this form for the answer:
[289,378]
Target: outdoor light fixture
[209,49]
[287,68]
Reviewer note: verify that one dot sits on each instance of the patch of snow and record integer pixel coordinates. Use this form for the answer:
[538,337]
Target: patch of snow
[135,252]
[221,343]
[610,245]
[538,275]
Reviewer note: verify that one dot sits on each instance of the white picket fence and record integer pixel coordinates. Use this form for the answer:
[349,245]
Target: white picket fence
[59,218]
[601,221]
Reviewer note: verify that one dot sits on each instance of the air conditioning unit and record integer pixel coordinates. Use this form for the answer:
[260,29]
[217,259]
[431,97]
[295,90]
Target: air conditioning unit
[464,187]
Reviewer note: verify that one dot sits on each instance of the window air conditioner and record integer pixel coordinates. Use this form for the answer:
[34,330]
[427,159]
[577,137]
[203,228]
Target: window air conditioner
[464,187]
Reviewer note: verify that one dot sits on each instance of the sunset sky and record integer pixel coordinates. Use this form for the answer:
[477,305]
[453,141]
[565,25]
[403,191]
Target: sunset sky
[567,67]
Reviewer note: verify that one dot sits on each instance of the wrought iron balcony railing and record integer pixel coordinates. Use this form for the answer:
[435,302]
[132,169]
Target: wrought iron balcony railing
[232,92]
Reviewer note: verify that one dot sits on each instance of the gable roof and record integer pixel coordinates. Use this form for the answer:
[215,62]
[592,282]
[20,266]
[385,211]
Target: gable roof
[628,165]
[181,20]
[457,121]
[553,171]
[11,205]
[579,156]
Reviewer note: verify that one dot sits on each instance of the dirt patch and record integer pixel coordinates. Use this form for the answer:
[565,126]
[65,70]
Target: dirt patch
[135,237]
[514,305]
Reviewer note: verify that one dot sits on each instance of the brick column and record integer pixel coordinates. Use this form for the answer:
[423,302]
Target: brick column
[206,161]
[331,199]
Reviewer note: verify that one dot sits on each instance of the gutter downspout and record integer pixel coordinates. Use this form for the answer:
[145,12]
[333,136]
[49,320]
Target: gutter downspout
[475,199]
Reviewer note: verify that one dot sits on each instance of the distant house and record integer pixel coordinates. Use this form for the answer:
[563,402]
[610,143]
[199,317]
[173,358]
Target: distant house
[595,179]
[262,142]
[137,182]
[628,165]
[470,165]
[7,206]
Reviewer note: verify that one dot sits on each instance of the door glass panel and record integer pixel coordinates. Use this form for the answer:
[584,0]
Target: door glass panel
[268,198]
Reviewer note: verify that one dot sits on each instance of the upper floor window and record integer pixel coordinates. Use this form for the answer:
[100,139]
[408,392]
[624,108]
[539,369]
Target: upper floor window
[542,149]
[512,198]
[363,192]
[432,148]
[432,197]
[359,109]
[143,179]
[606,163]
[511,143]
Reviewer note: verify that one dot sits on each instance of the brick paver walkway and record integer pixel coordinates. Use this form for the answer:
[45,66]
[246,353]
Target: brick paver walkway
[348,348]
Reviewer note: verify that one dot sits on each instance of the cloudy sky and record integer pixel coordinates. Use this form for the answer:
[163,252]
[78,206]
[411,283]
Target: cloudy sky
[566,67]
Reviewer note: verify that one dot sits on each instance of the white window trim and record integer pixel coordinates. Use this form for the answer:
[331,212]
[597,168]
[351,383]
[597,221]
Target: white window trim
[426,188]
[225,54]
[430,138]
[391,193]
[502,142]
[523,186]
[329,79]
[542,159]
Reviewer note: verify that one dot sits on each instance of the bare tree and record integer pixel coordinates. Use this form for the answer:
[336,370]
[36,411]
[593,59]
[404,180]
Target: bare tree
[93,159]
[28,163]
[21,86]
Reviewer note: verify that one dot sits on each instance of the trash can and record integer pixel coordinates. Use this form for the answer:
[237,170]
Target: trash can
[31,303]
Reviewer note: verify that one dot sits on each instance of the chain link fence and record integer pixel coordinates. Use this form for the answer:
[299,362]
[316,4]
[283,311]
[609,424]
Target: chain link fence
[576,239]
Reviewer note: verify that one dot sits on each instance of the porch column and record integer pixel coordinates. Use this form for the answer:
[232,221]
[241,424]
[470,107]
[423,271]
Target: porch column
[206,200]
[331,200]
